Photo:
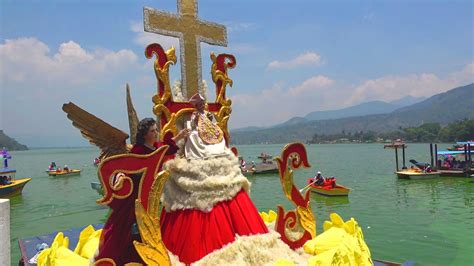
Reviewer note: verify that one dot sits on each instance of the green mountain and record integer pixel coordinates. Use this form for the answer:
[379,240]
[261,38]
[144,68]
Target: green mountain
[9,143]
[442,108]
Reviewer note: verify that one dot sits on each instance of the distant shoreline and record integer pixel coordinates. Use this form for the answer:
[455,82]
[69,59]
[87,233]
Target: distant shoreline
[63,147]
[306,144]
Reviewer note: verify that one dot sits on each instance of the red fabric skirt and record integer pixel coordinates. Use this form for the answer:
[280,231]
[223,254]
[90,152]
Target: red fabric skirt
[192,234]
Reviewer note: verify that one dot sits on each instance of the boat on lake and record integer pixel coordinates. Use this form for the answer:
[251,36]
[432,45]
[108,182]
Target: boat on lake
[329,190]
[418,171]
[64,172]
[417,174]
[9,186]
[456,162]
[266,166]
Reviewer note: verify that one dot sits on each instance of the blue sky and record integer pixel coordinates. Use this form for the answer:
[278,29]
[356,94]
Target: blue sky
[293,57]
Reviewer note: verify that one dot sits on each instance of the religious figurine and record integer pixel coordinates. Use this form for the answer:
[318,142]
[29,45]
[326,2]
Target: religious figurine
[206,138]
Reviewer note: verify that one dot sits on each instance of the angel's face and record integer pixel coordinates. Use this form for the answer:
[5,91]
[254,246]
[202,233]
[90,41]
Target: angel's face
[152,134]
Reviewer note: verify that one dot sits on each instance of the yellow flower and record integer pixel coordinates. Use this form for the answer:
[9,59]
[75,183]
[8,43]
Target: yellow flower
[60,254]
[342,243]
[269,217]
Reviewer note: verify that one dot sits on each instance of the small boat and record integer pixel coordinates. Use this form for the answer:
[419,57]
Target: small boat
[266,166]
[417,174]
[338,190]
[420,171]
[64,173]
[15,187]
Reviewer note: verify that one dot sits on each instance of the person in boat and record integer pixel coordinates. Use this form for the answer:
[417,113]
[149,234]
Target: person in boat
[58,170]
[205,200]
[206,139]
[318,179]
[427,169]
[254,166]
[52,166]
[120,230]
[4,180]
[331,181]
[243,164]
[5,156]
[455,163]
[66,168]
[446,164]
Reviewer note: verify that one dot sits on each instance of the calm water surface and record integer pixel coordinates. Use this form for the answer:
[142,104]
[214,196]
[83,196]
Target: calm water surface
[428,221]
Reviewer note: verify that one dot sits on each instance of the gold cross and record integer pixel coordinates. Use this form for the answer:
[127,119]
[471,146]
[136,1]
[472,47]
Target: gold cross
[191,31]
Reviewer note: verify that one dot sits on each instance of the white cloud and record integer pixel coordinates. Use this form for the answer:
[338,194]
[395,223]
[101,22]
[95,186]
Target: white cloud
[143,38]
[311,84]
[26,62]
[392,87]
[309,58]
[36,80]
[280,103]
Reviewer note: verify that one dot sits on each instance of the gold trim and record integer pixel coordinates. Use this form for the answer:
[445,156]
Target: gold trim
[162,74]
[306,219]
[218,75]
[170,126]
[223,115]
[293,157]
[152,249]
[105,260]
[102,201]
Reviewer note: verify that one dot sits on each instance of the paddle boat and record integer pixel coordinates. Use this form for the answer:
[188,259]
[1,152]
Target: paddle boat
[417,174]
[60,172]
[328,189]
[418,171]
[9,186]
[266,166]
[456,162]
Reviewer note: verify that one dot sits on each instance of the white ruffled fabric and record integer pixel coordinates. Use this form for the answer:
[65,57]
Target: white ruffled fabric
[201,184]
[264,249]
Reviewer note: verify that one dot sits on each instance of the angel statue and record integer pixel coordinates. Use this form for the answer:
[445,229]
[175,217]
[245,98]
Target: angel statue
[120,229]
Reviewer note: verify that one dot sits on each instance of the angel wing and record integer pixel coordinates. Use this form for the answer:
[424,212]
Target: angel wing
[110,140]
[132,117]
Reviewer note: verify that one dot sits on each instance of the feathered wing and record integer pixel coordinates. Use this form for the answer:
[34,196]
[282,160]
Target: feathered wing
[132,117]
[110,140]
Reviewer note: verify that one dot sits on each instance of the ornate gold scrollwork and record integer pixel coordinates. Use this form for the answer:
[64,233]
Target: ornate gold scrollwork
[293,157]
[220,64]
[162,75]
[219,75]
[170,126]
[152,249]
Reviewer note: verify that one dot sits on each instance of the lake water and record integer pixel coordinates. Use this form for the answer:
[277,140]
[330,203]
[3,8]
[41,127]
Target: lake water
[427,221]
